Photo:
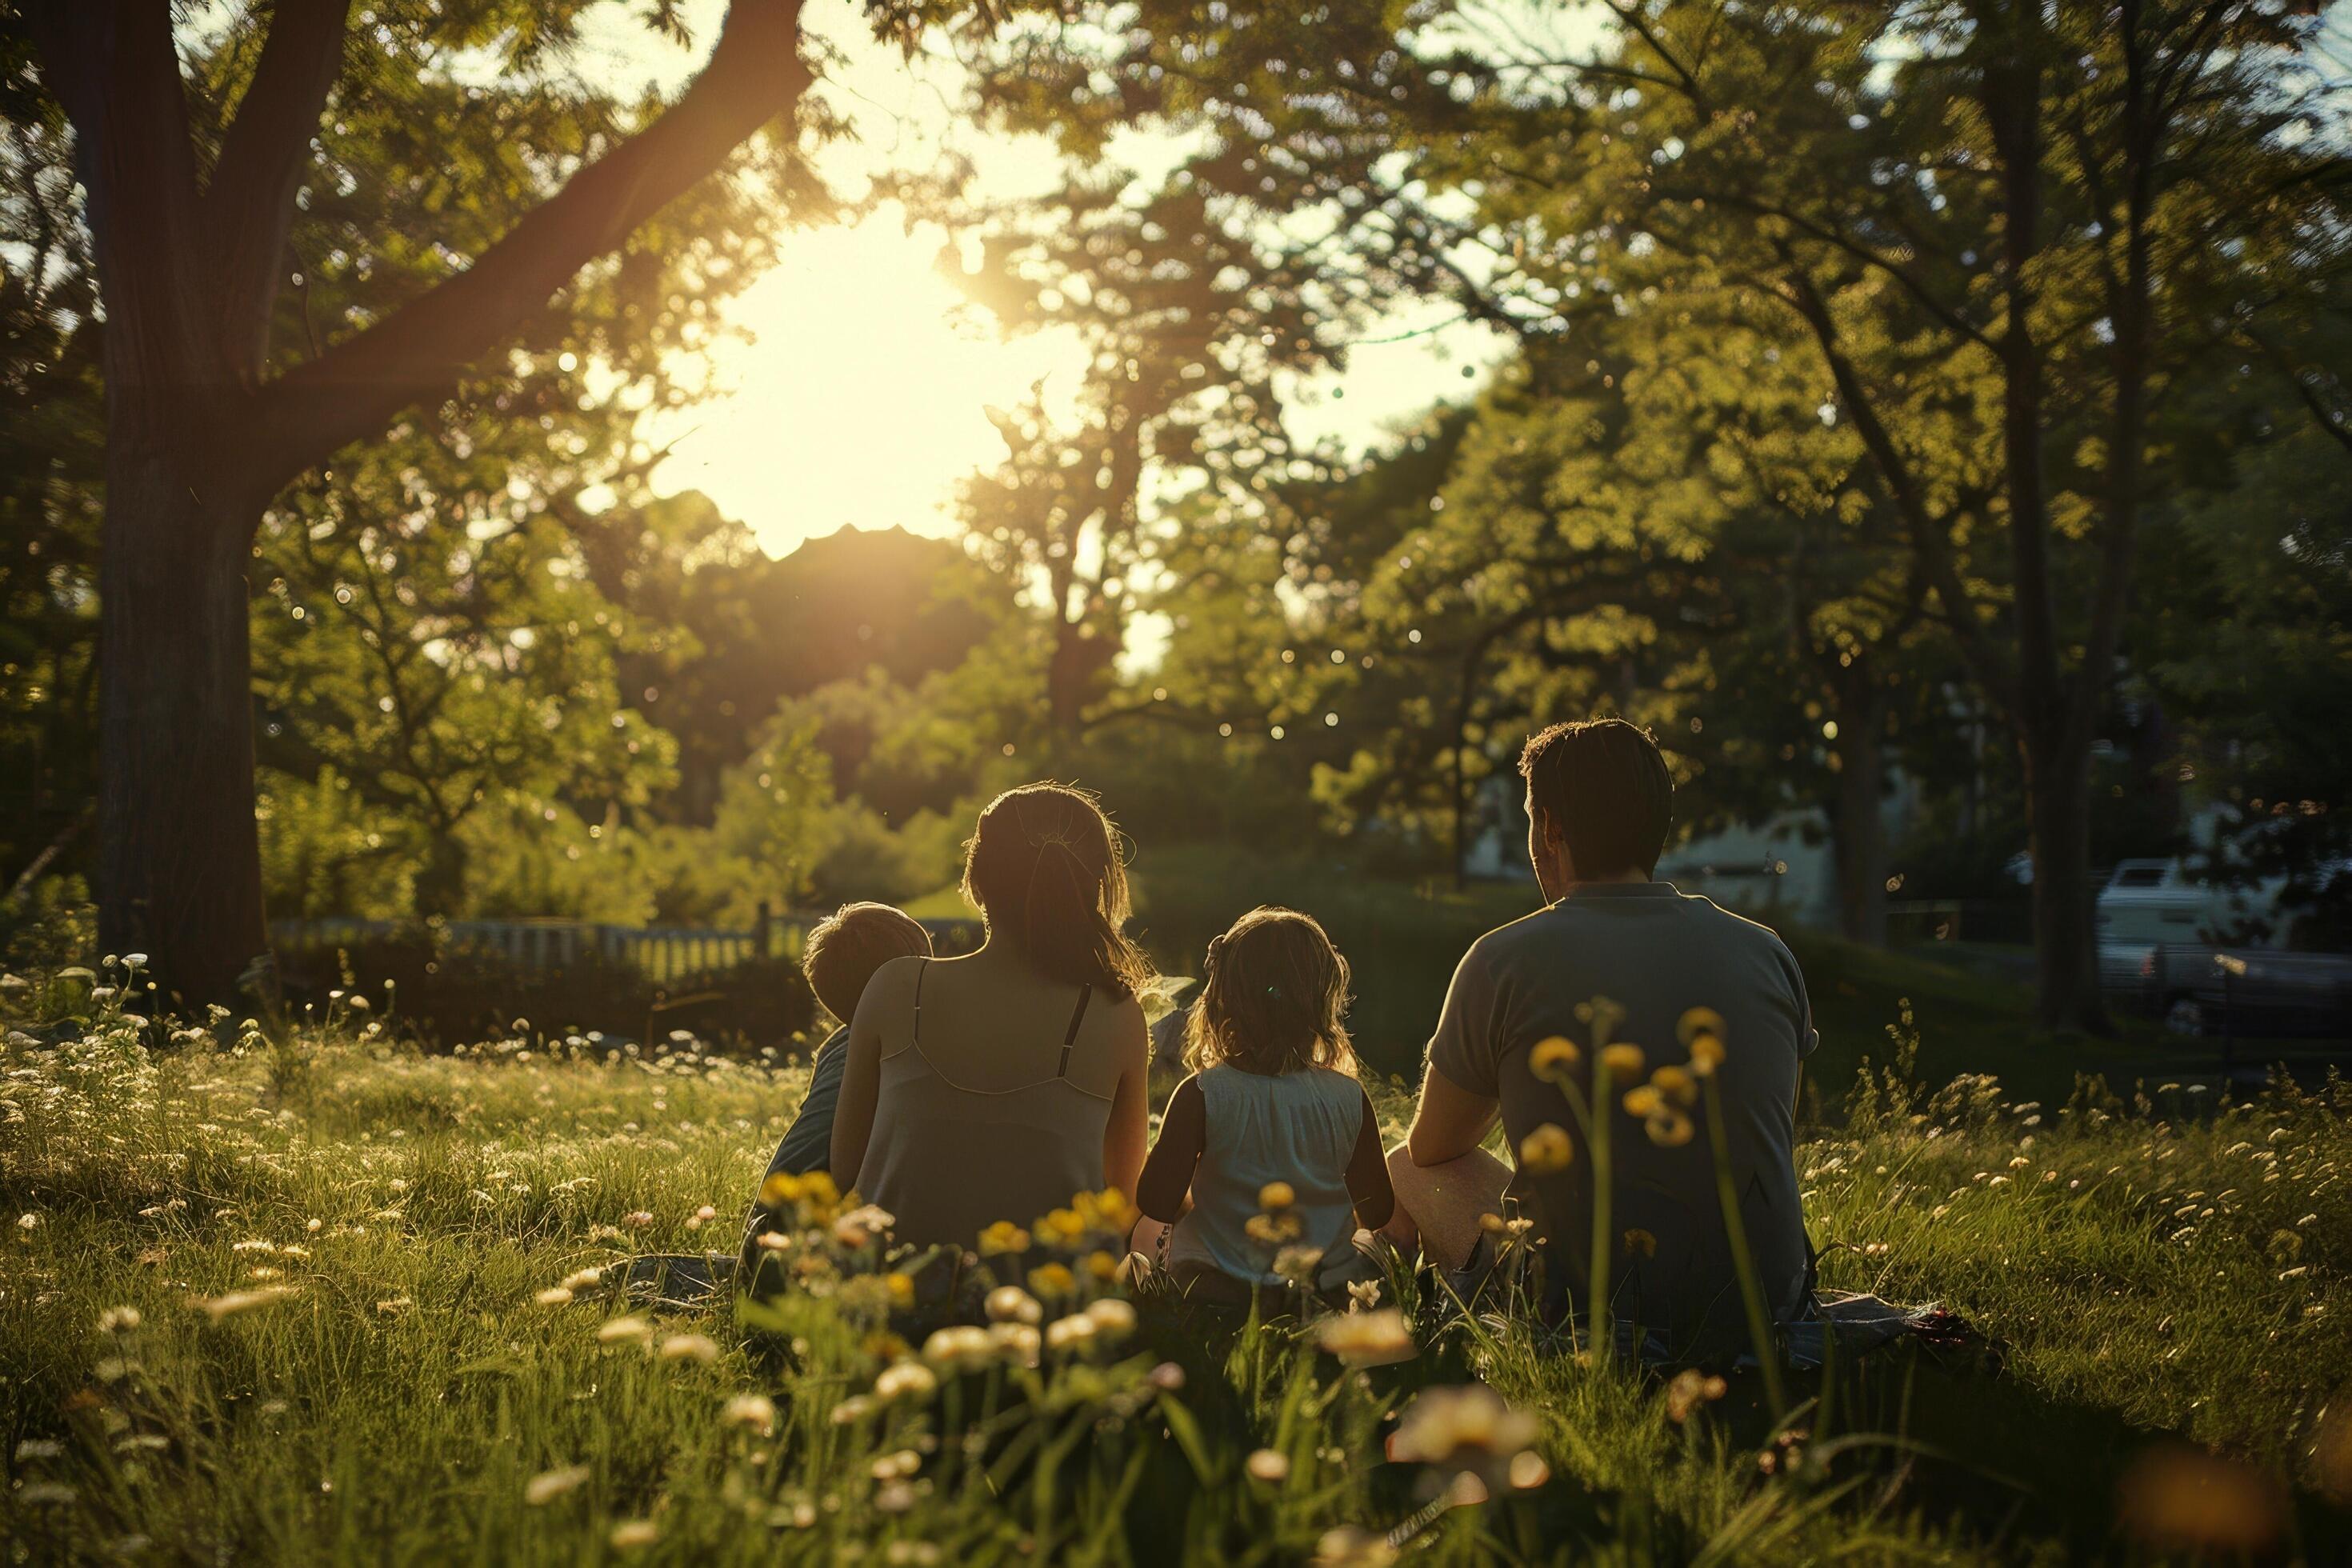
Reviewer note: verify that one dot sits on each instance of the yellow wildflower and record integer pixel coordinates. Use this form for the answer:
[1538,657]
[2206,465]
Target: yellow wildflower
[1298,1264]
[1705,1054]
[1554,1059]
[1108,1210]
[1052,1280]
[1697,1021]
[817,1188]
[779,1189]
[1546,1150]
[1603,1015]
[1002,1237]
[1669,1128]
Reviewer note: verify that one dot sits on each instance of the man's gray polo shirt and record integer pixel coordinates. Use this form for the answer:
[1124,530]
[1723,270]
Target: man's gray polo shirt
[1656,952]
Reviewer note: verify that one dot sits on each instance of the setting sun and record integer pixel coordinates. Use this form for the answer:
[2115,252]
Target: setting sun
[861,397]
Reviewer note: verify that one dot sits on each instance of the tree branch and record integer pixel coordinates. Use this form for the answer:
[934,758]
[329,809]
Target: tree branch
[249,204]
[755,76]
[2332,423]
[1944,313]
[1929,539]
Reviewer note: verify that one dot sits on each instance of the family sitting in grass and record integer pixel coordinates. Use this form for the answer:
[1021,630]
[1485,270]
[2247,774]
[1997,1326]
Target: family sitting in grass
[969,1089]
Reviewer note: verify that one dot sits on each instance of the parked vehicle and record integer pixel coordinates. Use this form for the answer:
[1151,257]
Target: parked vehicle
[2158,955]
[2198,989]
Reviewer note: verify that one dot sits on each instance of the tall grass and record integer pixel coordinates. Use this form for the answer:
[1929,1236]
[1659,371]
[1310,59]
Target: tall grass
[349,1333]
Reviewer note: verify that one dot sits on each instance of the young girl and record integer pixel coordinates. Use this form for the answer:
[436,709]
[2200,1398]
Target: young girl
[1272,1134]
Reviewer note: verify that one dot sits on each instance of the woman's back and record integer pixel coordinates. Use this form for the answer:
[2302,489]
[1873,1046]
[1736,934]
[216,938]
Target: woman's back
[994,1090]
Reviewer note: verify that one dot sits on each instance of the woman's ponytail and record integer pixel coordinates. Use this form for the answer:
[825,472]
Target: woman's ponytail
[1045,868]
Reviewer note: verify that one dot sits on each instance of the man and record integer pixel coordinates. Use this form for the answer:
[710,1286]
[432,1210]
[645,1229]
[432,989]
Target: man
[1599,802]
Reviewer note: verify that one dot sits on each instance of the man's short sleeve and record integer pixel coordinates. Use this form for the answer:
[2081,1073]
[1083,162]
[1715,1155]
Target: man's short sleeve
[1464,1048]
[1808,1037]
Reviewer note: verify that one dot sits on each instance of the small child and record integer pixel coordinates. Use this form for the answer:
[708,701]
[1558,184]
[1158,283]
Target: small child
[1272,1134]
[841,956]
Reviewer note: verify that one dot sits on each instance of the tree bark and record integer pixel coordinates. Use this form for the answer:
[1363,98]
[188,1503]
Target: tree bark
[2053,715]
[1858,842]
[2065,930]
[440,892]
[179,863]
[199,440]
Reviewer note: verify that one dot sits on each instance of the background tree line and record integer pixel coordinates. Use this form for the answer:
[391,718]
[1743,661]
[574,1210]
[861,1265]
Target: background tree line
[1941,391]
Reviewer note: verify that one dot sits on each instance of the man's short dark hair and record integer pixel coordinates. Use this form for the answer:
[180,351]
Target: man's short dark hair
[1605,783]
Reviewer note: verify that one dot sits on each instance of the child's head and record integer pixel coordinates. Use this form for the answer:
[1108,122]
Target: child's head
[1275,998]
[842,952]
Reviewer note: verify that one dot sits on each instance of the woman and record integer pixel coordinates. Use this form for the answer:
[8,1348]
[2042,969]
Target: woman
[997,1085]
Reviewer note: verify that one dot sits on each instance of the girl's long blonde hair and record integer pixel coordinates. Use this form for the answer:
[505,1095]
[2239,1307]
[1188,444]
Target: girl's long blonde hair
[1275,998]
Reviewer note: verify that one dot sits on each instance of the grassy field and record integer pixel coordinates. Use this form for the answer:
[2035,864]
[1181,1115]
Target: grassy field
[326,1297]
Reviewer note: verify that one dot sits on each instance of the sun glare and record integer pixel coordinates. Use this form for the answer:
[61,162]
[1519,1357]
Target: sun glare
[862,397]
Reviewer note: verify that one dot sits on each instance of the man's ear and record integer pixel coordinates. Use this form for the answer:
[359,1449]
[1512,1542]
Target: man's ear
[1554,842]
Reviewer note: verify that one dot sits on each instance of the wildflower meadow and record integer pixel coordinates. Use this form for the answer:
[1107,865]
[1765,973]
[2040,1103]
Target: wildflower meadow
[310,1292]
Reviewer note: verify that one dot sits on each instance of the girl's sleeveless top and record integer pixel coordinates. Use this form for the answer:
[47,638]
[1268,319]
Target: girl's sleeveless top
[1299,1128]
[946,1161]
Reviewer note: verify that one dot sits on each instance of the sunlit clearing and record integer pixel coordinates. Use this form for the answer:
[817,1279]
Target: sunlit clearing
[863,397]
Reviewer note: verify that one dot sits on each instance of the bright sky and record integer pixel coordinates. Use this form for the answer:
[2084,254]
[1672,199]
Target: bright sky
[861,397]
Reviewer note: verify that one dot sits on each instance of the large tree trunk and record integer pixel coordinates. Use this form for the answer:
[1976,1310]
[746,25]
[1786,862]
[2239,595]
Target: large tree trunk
[440,890]
[199,435]
[179,857]
[2065,929]
[1858,842]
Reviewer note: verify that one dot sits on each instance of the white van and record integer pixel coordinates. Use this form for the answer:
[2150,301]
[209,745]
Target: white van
[2149,902]
[2158,954]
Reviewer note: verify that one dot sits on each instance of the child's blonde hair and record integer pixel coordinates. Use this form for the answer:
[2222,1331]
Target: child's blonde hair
[845,949]
[1275,998]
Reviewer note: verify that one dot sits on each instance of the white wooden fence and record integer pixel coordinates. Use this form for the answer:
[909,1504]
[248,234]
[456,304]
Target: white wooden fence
[664,953]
